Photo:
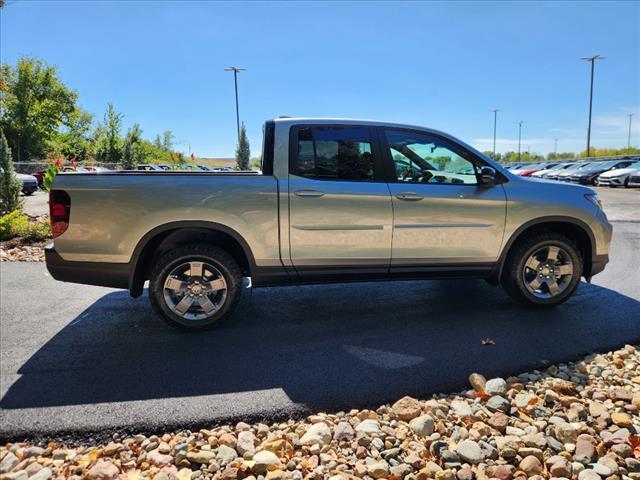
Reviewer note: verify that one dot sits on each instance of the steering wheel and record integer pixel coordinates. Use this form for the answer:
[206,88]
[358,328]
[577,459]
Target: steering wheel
[426,176]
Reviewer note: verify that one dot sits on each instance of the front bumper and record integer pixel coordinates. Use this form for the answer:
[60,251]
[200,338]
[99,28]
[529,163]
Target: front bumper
[616,181]
[114,275]
[598,263]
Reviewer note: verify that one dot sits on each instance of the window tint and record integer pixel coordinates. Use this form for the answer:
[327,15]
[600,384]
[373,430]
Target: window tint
[334,153]
[421,158]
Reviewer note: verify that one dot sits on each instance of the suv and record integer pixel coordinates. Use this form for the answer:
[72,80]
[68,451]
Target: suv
[337,201]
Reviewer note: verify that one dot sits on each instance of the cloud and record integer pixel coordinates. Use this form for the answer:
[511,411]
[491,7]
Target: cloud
[617,124]
[508,144]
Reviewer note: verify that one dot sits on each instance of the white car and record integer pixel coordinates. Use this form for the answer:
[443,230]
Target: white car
[618,177]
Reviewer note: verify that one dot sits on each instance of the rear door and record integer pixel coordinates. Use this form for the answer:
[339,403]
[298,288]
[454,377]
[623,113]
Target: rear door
[442,215]
[339,203]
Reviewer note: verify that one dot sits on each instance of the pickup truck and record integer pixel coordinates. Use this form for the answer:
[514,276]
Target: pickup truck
[336,201]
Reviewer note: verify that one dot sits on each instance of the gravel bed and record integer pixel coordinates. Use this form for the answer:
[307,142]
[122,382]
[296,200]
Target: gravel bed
[16,250]
[571,421]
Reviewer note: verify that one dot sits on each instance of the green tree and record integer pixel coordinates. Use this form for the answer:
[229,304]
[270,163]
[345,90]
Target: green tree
[168,140]
[107,140]
[73,140]
[561,155]
[34,103]
[10,185]
[131,154]
[243,152]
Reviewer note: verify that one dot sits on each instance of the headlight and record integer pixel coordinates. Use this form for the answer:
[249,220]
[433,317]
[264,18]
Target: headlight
[593,198]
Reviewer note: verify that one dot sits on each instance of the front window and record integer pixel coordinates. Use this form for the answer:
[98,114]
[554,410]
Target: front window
[422,158]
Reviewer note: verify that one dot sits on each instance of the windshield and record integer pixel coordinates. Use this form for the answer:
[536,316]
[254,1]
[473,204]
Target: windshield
[603,165]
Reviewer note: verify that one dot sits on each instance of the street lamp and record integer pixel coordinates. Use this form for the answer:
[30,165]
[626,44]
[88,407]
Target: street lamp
[495,122]
[519,136]
[235,71]
[592,59]
[630,115]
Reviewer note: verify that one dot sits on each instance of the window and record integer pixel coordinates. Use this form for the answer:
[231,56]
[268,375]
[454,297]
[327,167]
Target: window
[421,158]
[334,153]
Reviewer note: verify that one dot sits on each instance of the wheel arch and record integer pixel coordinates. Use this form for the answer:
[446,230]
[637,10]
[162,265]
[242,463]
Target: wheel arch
[573,228]
[164,237]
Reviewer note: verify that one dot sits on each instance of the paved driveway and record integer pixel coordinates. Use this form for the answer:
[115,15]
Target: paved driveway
[88,359]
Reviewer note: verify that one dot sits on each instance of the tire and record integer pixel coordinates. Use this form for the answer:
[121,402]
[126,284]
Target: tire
[205,280]
[520,280]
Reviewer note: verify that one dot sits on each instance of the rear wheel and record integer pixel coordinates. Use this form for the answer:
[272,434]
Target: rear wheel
[195,286]
[543,270]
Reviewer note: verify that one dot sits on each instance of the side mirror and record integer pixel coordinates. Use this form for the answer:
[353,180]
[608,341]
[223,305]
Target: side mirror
[487,176]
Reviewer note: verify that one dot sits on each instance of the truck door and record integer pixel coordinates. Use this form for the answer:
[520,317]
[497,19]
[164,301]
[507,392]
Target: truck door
[340,211]
[442,215]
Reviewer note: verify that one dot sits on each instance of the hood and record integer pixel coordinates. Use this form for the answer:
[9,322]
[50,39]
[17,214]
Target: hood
[620,171]
[562,185]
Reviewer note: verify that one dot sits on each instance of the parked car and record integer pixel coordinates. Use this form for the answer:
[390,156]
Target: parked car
[149,167]
[332,196]
[553,173]
[565,175]
[29,182]
[588,175]
[543,167]
[618,177]
[528,170]
[553,169]
[634,180]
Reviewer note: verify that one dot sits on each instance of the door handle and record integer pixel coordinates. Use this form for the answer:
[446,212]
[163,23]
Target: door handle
[409,197]
[308,193]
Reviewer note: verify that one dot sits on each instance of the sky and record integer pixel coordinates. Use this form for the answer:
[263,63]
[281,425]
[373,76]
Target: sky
[440,65]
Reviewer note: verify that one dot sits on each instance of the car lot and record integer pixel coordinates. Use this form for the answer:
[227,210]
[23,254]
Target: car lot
[82,360]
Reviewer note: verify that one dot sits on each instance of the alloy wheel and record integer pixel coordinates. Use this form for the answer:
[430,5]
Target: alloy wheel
[195,290]
[548,272]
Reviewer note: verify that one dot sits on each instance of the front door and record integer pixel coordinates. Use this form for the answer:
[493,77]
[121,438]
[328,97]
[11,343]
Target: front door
[339,206]
[442,215]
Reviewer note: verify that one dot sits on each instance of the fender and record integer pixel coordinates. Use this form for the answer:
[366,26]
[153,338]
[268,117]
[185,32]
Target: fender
[136,282]
[497,272]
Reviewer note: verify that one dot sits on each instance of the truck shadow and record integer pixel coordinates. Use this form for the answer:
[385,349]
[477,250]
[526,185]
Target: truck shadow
[325,346]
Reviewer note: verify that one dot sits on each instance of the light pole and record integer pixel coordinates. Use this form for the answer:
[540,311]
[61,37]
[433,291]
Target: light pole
[592,59]
[235,71]
[555,147]
[630,115]
[519,136]
[495,123]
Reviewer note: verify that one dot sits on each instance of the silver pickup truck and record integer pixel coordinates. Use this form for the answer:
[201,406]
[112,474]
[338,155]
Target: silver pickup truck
[337,201]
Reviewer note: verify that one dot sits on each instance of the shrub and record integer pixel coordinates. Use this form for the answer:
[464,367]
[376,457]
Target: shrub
[10,185]
[16,224]
[49,175]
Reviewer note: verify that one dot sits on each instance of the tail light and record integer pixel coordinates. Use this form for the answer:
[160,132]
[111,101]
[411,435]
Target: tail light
[59,211]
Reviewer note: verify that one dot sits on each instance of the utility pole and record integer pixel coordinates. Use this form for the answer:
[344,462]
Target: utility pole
[495,123]
[630,115]
[519,136]
[592,59]
[235,71]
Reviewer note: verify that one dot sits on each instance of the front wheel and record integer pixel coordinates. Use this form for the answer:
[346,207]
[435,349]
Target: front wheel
[543,270]
[195,286]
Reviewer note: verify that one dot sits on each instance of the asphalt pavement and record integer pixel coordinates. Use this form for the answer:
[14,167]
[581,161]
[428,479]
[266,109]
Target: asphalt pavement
[88,361]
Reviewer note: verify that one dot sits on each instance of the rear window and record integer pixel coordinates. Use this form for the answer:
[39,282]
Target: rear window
[334,153]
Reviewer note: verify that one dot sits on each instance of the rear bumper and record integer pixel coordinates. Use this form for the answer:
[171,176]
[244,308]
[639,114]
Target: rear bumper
[29,187]
[114,275]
